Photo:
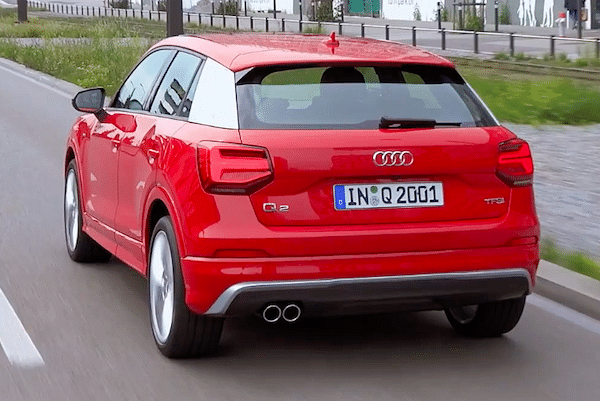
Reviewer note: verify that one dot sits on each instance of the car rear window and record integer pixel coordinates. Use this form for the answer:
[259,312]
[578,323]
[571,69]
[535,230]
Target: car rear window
[355,97]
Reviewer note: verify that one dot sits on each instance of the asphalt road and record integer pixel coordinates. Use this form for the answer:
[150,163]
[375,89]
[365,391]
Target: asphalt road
[90,338]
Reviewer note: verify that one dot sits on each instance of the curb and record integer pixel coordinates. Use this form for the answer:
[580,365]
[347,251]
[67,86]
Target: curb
[576,291]
[43,78]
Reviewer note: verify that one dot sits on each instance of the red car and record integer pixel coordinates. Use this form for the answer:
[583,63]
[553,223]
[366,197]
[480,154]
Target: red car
[290,175]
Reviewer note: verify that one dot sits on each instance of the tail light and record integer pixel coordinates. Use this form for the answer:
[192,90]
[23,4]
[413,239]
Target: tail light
[233,169]
[515,165]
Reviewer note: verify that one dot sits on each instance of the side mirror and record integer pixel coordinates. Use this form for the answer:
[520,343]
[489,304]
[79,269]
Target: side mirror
[89,100]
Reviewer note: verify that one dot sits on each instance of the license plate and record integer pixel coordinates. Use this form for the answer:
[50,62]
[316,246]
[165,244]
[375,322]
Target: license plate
[397,195]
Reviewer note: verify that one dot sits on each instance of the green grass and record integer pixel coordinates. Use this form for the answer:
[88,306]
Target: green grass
[575,261]
[529,99]
[99,60]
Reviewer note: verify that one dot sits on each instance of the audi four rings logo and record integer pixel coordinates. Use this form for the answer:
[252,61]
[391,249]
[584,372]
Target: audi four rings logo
[393,158]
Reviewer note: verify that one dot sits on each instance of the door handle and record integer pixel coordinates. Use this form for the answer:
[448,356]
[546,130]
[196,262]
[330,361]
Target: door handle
[153,153]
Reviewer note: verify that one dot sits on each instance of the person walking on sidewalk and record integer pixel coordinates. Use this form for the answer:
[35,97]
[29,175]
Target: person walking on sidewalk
[571,6]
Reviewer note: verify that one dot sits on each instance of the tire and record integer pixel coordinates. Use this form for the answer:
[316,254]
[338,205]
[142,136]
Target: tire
[178,332]
[80,246]
[486,320]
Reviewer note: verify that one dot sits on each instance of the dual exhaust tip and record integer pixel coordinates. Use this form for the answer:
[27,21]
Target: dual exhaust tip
[272,313]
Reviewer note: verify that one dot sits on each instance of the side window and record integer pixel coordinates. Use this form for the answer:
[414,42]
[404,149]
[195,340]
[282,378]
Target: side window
[139,83]
[176,83]
[214,99]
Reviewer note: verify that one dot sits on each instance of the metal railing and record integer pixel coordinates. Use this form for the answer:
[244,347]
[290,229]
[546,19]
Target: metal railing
[387,31]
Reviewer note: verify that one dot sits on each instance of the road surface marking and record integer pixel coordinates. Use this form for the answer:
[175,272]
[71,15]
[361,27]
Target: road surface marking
[15,341]
[566,313]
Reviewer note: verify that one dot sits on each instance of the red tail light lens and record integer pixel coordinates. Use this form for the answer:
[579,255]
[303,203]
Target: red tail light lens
[233,169]
[515,165]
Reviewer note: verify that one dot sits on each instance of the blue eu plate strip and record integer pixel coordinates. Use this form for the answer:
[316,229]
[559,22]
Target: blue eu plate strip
[340,197]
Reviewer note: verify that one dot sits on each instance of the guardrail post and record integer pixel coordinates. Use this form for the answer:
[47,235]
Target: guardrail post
[511,43]
[443,38]
[552,46]
[362,29]
[251,23]
[387,32]
[414,35]
[475,42]
[266,24]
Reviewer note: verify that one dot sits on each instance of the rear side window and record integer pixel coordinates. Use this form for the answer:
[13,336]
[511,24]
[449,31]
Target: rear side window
[172,91]
[355,97]
[138,85]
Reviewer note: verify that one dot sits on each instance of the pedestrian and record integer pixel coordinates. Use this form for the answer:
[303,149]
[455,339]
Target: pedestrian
[571,6]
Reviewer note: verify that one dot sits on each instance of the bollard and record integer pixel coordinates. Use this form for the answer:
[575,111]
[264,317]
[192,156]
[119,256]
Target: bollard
[266,24]
[211,19]
[300,25]
[561,21]
[251,23]
[224,21]
[443,38]
[340,28]
[283,25]
[552,46]
[414,35]
[496,15]
[387,32]
[237,22]
[475,42]
[597,48]
[511,44]
[362,29]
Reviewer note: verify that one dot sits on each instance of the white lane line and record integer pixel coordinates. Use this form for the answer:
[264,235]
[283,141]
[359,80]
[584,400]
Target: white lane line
[15,341]
[36,81]
[570,315]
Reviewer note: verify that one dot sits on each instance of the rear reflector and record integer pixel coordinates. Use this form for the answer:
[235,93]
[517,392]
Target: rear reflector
[232,168]
[515,165]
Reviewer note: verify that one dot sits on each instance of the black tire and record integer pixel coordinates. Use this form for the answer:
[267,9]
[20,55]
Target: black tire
[181,333]
[80,246]
[486,320]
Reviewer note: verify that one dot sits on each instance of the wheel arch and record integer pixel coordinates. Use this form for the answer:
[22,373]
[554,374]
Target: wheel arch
[160,205]
[70,155]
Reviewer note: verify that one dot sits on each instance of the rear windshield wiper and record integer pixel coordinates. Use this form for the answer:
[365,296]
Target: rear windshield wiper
[387,122]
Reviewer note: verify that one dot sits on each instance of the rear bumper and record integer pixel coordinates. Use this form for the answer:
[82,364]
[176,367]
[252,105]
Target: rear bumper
[352,284]
[375,294]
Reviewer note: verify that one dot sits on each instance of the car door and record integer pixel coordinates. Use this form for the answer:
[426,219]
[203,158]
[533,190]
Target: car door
[140,151]
[102,154]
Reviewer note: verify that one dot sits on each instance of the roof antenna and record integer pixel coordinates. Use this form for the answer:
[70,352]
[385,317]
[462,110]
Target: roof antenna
[332,43]
[332,40]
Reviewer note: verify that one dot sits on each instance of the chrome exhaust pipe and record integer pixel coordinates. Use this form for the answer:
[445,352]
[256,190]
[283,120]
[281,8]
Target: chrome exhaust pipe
[271,313]
[291,313]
